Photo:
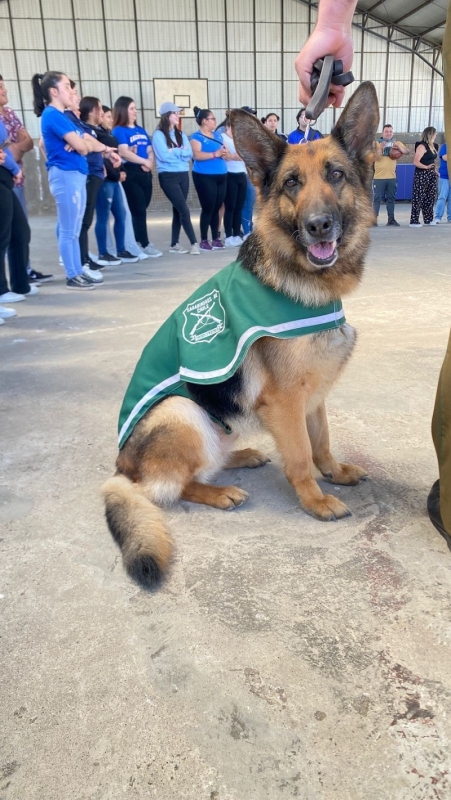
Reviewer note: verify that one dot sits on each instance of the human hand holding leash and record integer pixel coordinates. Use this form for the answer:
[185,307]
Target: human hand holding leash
[332,35]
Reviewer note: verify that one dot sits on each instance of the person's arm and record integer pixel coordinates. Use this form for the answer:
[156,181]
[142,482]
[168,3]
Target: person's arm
[77,142]
[419,153]
[128,155]
[23,144]
[200,155]
[332,35]
[10,164]
[404,150]
[170,155]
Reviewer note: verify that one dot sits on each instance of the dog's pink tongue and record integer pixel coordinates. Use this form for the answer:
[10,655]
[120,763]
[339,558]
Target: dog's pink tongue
[322,250]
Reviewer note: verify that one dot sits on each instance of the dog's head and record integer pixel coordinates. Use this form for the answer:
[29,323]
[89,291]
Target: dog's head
[314,199]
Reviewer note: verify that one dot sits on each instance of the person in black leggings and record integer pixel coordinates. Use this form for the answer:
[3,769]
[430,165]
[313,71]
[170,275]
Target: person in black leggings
[135,147]
[209,176]
[173,155]
[236,190]
[14,234]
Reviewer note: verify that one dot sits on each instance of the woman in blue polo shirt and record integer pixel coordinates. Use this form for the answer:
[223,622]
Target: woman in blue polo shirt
[67,166]
[209,176]
[135,148]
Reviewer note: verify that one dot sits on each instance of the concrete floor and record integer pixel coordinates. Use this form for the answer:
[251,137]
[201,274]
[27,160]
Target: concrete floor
[283,657]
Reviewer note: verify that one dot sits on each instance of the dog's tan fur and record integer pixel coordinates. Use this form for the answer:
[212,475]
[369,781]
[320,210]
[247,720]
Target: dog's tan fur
[176,448]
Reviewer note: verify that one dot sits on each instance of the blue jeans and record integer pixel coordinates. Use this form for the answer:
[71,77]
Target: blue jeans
[246,214]
[130,241]
[69,192]
[444,197]
[20,192]
[109,199]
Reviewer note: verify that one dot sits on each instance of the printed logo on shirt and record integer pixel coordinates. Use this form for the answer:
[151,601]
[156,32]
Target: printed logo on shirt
[204,319]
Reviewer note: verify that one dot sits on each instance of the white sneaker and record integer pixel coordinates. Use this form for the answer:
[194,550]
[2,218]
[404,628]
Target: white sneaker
[32,290]
[238,241]
[152,251]
[142,255]
[93,274]
[7,312]
[415,224]
[437,221]
[175,248]
[230,241]
[246,236]
[194,250]
[11,297]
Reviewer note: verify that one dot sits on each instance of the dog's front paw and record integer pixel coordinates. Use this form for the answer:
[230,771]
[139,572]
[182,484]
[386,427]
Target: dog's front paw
[231,497]
[346,475]
[327,508]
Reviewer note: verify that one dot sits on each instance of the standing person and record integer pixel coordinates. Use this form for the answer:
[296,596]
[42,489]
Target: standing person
[173,154]
[209,176]
[298,135]
[65,148]
[384,181]
[14,233]
[110,198]
[21,143]
[424,179]
[135,148]
[86,114]
[271,121]
[236,190]
[444,188]
[248,208]
[130,243]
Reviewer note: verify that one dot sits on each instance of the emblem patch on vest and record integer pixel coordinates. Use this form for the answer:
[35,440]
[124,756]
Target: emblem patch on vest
[204,319]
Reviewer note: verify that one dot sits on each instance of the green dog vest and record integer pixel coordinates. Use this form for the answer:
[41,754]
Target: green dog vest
[205,340]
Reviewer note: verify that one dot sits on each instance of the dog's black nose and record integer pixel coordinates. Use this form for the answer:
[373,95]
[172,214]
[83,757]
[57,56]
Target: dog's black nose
[319,225]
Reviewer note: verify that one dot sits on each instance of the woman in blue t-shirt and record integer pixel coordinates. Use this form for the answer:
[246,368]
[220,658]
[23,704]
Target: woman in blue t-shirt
[135,148]
[66,149]
[209,175]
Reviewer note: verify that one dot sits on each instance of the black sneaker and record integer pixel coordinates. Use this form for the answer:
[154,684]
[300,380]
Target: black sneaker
[107,260]
[92,264]
[79,282]
[38,277]
[393,223]
[127,257]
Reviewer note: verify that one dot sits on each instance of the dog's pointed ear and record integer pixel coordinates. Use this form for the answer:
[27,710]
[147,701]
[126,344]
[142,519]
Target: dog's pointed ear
[260,149]
[357,127]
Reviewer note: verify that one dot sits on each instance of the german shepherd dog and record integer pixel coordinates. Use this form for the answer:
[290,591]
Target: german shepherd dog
[310,241]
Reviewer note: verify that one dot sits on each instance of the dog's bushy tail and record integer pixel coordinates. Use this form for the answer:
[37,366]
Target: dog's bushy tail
[138,527]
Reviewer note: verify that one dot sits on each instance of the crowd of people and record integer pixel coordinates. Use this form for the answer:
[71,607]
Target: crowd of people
[100,162]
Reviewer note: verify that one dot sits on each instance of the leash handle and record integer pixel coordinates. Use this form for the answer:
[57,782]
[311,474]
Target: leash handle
[325,71]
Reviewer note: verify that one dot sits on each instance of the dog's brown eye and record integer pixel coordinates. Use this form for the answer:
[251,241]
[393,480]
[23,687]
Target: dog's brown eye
[337,174]
[290,182]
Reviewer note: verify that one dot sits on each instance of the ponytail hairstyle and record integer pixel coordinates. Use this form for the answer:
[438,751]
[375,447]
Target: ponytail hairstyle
[201,114]
[163,126]
[41,85]
[88,104]
[427,137]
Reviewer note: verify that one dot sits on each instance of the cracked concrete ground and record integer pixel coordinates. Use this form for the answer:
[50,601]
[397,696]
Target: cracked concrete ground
[283,657]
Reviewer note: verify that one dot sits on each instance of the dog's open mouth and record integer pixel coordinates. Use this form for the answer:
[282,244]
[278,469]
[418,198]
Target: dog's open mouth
[323,254]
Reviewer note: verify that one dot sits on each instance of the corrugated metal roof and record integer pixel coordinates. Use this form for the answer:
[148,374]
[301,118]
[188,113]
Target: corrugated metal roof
[418,18]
